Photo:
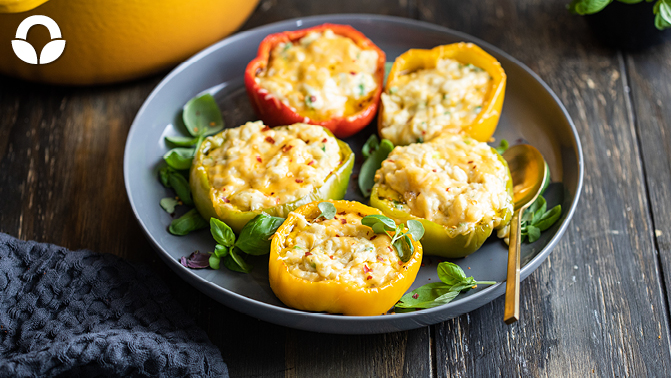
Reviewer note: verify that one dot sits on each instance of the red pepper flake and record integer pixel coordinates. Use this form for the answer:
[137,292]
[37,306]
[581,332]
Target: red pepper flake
[360,215]
[341,213]
[366,268]
[474,167]
[468,267]
[269,140]
[470,161]
[212,124]
[373,237]
[196,128]
[311,162]
[308,253]
[265,128]
[390,160]
[298,181]
[368,278]
[331,257]
[433,170]
[343,221]
[422,264]
[226,200]
[259,159]
[390,248]
[447,189]
[324,140]
[401,262]
[353,73]
[272,193]
[423,132]
[415,296]
[338,236]
[313,98]
[287,147]
[379,258]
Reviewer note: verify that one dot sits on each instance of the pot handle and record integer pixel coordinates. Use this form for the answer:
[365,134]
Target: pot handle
[18,6]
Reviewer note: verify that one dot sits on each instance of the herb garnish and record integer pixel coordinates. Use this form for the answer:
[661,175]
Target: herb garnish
[225,248]
[401,241]
[453,282]
[189,222]
[255,237]
[503,146]
[328,210]
[536,219]
[375,153]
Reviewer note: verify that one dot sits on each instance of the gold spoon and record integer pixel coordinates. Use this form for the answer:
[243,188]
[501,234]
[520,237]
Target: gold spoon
[528,172]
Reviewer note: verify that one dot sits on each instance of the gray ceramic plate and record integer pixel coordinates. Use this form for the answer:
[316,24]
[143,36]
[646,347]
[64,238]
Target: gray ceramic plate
[531,113]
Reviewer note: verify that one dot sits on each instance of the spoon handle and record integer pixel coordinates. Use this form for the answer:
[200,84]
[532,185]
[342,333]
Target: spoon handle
[512,297]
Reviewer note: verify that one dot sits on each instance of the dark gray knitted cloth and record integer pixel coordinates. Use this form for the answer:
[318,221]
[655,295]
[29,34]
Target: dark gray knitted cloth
[79,313]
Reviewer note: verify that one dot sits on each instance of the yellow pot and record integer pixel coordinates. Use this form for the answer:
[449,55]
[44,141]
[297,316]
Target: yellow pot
[114,40]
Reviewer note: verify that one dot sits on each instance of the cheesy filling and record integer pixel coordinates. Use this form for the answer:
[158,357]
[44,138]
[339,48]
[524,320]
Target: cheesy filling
[421,104]
[453,180]
[340,249]
[254,167]
[321,76]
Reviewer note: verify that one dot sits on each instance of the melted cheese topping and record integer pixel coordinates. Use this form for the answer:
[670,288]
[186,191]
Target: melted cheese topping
[453,180]
[322,76]
[423,103]
[340,249]
[253,167]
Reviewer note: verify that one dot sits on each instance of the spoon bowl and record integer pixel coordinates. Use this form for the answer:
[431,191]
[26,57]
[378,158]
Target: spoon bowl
[529,175]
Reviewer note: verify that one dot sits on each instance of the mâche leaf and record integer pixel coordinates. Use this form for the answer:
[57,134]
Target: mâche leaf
[371,165]
[416,229]
[189,222]
[202,116]
[168,204]
[255,237]
[380,220]
[180,157]
[182,141]
[328,210]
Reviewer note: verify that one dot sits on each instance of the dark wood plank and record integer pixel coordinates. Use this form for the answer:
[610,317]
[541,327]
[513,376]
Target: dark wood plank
[649,78]
[596,305]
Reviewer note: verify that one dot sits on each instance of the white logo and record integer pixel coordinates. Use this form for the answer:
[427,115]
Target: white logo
[25,50]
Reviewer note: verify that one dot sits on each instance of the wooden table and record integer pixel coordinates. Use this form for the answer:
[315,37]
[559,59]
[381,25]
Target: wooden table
[598,306]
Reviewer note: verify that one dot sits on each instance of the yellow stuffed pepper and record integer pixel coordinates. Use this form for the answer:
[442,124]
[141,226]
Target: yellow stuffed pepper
[458,188]
[252,169]
[338,265]
[457,88]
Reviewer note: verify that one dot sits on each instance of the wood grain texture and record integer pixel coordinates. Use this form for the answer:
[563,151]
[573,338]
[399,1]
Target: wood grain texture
[649,77]
[596,305]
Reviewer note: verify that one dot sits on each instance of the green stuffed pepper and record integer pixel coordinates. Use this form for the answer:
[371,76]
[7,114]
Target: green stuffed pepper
[252,169]
[459,188]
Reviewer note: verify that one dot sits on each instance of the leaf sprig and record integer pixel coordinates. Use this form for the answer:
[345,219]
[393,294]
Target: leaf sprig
[453,282]
[375,153]
[401,241]
[536,219]
[661,9]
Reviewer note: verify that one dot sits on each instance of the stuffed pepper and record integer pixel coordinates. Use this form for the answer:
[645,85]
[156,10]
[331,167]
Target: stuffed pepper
[459,188]
[244,171]
[458,88]
[338,265]
[329,75]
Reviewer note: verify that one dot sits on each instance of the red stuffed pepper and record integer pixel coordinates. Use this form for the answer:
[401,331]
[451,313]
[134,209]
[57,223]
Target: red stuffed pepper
[329,75]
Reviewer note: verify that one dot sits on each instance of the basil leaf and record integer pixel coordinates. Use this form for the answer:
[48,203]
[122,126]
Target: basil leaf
[450,273]
[196,260]
[180,157]
[202,116]
[182,141]
[371,165]
[222,233]
[583,7]
[549,217]
[221,251]
[236,263]
[380,220]
[328,210]
[503,146]
[533,233]
[425,296]
[541,209]
[663,14]
[190,221]
[169,204]
[416,229]
[213,261]
[181,186]
[255,237]
[164,173]
[370,145]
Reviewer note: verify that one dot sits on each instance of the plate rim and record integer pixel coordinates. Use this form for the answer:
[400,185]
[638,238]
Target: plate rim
[190,276]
